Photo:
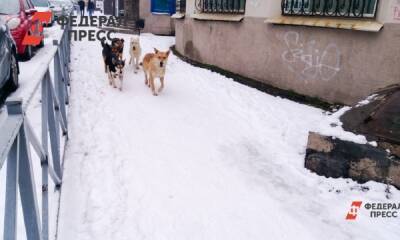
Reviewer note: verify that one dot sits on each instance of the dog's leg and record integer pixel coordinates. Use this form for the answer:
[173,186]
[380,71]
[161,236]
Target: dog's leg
[130,60]
[114,84]
[162,84]
[146,79]
[135,62]
[153,90]
[120,84]
[149,77]
[109,76]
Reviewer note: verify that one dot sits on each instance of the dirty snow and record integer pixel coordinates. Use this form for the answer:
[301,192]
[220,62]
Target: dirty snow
[207,159]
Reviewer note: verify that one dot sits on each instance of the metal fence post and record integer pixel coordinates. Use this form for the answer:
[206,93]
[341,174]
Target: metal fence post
[67,43]
[61,87]
[10,216]
[26,179]
[45,165]
[64,57]
[53,130]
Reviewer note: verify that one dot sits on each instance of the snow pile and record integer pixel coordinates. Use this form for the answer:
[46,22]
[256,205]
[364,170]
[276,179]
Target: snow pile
[332,126]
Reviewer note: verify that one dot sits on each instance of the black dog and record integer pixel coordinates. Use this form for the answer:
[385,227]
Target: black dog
[118,45]
[113,64]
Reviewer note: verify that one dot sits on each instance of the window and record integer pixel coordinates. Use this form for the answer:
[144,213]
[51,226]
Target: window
[330,8]
[26,5]
[221,6]
[163,6]
[180,6]
[40,3]
[7,7]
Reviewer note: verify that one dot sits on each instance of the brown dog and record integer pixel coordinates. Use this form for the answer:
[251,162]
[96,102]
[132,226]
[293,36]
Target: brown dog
[154,65]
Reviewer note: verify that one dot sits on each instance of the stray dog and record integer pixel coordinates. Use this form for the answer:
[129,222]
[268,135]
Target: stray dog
[135,51]
[113,65]
[118,46]
[154,65]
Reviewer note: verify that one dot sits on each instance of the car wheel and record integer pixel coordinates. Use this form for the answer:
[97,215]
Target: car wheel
[13,81]
[41,43]
[28,53]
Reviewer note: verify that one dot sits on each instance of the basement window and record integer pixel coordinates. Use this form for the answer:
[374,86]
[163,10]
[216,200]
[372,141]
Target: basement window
[221,6]
[330,8]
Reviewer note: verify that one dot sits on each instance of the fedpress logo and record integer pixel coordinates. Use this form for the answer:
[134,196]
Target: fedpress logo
[35,35]
[374,210]
[354,209]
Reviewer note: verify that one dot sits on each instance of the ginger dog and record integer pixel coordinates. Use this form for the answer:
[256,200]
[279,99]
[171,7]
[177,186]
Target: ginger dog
[154,66]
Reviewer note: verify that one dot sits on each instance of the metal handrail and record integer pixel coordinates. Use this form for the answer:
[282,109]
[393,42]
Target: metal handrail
[17,136]
[330,8]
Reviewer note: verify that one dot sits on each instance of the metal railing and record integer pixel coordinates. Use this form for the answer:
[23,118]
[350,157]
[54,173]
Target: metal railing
[17,138]
[331,8]
[180,6]
[221,6]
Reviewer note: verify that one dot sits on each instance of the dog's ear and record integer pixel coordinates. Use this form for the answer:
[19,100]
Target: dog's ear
[168,52]
[156,50]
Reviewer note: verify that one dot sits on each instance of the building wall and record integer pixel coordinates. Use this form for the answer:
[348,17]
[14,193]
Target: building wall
[161,24]
[333,64]
[109,8]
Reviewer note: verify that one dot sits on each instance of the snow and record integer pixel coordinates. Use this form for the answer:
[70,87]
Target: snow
[208,158]
[367,100]
[334,128]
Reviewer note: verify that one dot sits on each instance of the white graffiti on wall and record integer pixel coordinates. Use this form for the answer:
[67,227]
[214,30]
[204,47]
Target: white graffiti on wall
[396,10]
[254,3]
[309,62]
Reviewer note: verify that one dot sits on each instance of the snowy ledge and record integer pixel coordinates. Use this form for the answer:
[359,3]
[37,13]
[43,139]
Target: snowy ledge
[178,16]
[218,17]
[359,25]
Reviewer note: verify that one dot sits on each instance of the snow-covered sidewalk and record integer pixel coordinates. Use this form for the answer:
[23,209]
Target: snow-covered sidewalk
[207,159]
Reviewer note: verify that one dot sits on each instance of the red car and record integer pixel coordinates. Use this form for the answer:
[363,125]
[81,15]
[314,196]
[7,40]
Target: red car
[18,15]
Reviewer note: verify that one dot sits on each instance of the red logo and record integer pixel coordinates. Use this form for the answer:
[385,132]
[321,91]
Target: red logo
[37,28]
[352,214]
